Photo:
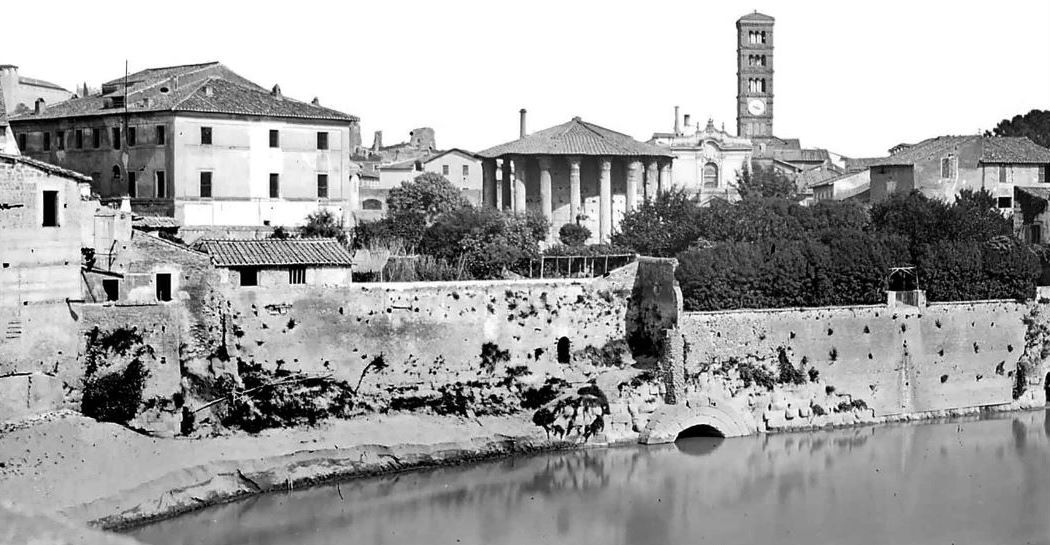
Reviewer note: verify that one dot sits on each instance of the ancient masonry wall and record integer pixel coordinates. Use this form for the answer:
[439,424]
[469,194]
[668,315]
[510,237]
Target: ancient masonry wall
[897,360]
[425,331]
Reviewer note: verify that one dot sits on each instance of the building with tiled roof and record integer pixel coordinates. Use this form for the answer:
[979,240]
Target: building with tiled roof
[20,93]
[281,262]
[576,172]
[203,145]
[941,167]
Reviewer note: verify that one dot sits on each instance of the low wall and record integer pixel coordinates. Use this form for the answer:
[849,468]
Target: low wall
[426,332]
[898,360]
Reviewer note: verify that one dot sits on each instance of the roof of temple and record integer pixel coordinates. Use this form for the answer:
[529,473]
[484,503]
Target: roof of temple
[577,137]
[277,252]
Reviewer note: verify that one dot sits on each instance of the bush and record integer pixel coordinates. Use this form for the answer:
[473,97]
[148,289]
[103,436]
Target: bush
[487,242]
[116,396]
[661,227]
[573,235]
[422,268]
[323,223]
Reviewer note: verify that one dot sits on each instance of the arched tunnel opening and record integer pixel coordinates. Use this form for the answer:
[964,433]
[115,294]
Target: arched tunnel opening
[699,440]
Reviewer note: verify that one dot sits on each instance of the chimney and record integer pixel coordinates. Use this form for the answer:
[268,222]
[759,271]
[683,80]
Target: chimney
[522,132]
[377,143]
[316,101]
[208,91]
[685,121]
[41,106]
[677,126]
[276,91]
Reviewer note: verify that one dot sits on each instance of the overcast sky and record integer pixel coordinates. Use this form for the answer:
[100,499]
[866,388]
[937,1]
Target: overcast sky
[853,77]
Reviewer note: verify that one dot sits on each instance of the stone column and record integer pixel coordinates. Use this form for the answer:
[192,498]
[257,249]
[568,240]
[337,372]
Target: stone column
[604,199]
[506,190]
[652,173]
[488,183]
[634,175]
[665,176]
[519,184]
[575,199]
[546,197]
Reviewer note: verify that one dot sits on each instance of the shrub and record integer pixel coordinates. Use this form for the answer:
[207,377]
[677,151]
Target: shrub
[323,223]
[661,227]
[424,199]
[116,396]
[573,235]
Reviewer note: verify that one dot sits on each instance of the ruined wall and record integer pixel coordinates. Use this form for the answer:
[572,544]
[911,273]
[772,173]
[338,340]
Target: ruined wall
[426,331]
[656,303]
[898,360]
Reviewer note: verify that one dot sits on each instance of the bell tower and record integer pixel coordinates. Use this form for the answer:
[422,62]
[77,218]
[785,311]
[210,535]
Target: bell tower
[754,74]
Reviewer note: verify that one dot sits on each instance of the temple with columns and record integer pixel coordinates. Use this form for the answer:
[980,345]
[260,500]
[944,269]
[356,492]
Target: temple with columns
[576,172]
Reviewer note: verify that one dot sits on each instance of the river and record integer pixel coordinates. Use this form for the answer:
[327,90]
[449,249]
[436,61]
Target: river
[981,481]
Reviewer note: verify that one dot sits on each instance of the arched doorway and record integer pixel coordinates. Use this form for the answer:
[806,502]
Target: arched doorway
[564,356]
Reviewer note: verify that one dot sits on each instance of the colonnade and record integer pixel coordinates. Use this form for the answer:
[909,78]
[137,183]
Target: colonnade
[648,174]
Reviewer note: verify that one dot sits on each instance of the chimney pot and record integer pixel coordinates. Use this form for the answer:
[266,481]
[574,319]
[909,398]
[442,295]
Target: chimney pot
[686,120]
[276,91]
[677,125]
[521,131]
[316,101]
[41,106]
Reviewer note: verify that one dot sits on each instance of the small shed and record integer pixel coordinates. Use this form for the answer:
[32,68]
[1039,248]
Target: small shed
[281,262]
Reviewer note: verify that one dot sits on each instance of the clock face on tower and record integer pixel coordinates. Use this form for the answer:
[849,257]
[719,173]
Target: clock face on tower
[756,106]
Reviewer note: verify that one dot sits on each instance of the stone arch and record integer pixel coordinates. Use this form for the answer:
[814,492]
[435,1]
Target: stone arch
[666,423]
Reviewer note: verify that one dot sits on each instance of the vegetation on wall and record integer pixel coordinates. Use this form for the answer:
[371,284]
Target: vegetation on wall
[115,374]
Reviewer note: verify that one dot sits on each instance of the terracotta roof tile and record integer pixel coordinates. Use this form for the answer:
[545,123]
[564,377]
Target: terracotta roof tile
[994,149]
[577,137]
[277,252]
[206,88]
[46,167]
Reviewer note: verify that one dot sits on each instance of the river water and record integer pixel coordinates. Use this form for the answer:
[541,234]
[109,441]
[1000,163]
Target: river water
[976,481]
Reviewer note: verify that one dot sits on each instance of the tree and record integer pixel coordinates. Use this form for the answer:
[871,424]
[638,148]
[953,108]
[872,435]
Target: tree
[488,241]
[571,234]
[323,223]
[764,182]
[1034,124]
[426,197]
[661,227]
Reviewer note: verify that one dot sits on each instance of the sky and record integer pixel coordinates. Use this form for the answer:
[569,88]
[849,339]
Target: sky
[853,77]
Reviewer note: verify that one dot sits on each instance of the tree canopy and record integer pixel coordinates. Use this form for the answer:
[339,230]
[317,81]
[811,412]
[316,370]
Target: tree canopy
[1034,124]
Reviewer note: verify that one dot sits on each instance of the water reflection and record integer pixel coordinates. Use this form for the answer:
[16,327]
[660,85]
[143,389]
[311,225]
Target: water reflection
[977,481]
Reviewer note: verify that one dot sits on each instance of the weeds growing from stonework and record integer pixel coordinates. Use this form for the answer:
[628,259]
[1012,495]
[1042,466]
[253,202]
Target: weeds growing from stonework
[110,394]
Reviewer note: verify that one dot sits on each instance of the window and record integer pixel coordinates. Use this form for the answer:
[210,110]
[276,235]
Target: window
[96,138]
[116,138]
[948,167]
[1005,202]
[78,139]
[205,136]
[161,186]
[466,170]
[206,185]
[60,139]
[1002,174]
[275,138]
[1035,233]
[111,287]
[275,185]
[50,209]
[249,277]
[132,136]
[322,186]
[322,140]
[1042,174]
[161,135]
[47,141]
[132,188]
[22,141]
[116,174]
[296,275]
[444,170]
[710,176]
[164,286]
